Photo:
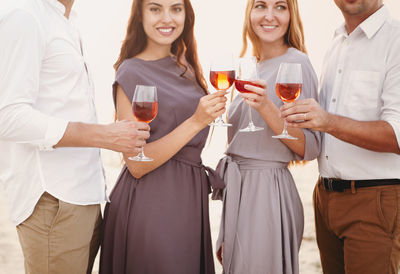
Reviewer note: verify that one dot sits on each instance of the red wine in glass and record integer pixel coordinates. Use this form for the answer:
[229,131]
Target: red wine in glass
[239,85]
[288,92]
[288,88]
[246,76]
[145,111]
[222,80]
[222,76]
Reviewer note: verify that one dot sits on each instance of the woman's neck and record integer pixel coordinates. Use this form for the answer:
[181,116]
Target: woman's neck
[270,51]
[152,52]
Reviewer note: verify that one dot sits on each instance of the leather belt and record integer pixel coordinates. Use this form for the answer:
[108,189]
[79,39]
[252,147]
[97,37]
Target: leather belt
[339,185]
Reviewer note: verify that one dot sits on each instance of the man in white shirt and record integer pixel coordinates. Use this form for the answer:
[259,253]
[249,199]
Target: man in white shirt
[49,138]
[357,198]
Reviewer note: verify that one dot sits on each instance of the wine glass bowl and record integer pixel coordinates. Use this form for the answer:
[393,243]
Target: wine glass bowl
[222,77]
[145,109]
[289,83]
[288,92]
[247,73]
[222,80]
[239,85]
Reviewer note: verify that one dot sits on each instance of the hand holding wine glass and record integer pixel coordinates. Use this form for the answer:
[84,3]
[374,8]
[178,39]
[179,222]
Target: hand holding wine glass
[289,82]
[222,75]
[247,75]
[145,108]
[209,108]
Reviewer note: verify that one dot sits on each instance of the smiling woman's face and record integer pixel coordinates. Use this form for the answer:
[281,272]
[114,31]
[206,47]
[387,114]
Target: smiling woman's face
[270,20]
[163,21]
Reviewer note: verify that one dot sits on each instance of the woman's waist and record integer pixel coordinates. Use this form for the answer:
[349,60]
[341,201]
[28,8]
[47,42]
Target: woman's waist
[189,155]
[253,163]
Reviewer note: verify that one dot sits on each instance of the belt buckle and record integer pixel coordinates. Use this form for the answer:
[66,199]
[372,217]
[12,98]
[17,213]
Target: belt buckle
[330,186]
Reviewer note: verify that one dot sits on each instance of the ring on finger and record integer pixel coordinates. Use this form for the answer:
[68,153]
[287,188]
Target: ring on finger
[305,116]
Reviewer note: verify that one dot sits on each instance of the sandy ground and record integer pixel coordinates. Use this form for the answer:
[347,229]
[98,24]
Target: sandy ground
[11,259]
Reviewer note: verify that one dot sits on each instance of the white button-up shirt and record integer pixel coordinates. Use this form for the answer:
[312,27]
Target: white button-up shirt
[44,84]
[361,80]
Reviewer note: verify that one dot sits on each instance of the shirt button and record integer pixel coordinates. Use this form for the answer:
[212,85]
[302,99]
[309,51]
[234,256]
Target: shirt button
[340,71]
[326,156]
[334,100]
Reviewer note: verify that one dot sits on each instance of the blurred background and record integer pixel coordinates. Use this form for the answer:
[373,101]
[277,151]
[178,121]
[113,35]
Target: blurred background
[218,29]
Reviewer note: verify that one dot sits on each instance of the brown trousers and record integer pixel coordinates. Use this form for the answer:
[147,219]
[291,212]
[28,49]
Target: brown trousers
[60,238]
[358,230]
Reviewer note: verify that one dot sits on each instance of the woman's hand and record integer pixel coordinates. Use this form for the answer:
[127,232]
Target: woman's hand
[209,108]
[257,97]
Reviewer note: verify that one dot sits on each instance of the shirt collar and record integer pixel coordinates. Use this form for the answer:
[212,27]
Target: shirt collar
[370,25]
[373,23]
[60,8]
[56,4]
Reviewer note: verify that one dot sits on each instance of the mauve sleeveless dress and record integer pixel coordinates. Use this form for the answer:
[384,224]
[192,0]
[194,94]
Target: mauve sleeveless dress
[159,224]
[262,220]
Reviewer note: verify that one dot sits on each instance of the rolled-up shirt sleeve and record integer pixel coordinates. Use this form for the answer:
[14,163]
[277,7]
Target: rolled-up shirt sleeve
[22,50]
[391,91]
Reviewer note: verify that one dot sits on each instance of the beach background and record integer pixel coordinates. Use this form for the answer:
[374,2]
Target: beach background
[218,29]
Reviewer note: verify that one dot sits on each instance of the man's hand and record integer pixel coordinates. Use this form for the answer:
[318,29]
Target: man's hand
[306,113]
[127,136]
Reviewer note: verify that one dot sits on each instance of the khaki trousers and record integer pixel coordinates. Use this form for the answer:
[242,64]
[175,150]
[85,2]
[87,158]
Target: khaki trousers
[60,238]
[358,231]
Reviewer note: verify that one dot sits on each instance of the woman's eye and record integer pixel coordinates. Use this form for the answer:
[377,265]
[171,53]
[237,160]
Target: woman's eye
[154,9]
[178,9]
[281,7]
[259,6]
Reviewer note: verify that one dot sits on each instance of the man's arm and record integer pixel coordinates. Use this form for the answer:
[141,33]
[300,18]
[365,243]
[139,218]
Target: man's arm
[22,48]
[373,135]
[126,136]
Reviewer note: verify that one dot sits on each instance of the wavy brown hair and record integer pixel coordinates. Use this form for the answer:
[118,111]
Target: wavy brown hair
[294,36]
[184,47]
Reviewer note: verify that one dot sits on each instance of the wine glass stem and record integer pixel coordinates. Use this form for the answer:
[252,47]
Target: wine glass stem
[284,132]
[141,154]
[250,117]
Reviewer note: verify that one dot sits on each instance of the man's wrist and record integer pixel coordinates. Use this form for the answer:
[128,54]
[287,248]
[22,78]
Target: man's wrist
[331,123]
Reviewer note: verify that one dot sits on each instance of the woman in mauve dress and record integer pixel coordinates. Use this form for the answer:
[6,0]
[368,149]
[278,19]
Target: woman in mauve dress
[158,221]
[262,222]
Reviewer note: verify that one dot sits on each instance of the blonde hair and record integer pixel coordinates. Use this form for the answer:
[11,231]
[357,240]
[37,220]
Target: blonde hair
[294,36]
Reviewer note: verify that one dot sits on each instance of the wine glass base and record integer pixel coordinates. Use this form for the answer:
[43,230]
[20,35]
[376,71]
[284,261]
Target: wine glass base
[251,128]
[140,158]
[284,136]
[220,124]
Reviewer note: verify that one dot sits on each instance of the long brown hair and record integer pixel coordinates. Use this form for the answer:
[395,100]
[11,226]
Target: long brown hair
[184,47]
[294,36]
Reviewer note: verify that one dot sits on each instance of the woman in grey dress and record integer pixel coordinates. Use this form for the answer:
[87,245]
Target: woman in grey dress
[158,221]
[262,221]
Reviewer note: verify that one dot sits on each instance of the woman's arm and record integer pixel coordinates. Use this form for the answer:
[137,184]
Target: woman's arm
[271,115]
[161,150]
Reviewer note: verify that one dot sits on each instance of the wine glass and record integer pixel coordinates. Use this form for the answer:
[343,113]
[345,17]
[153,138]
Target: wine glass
[145,108]
[222,75]
[289,82]
[247,73]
